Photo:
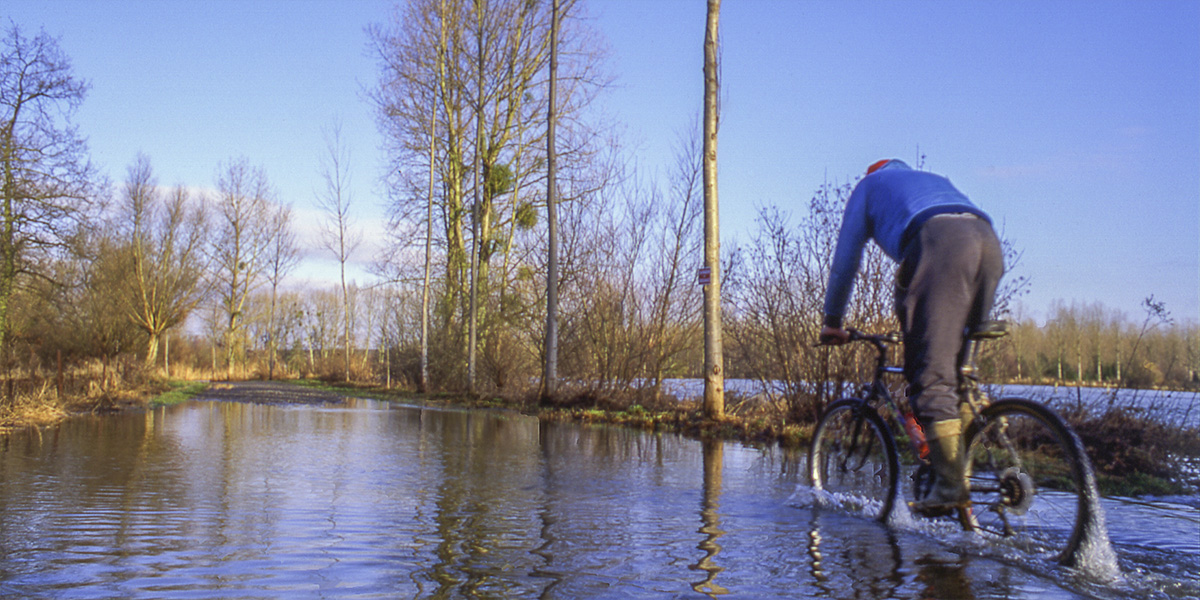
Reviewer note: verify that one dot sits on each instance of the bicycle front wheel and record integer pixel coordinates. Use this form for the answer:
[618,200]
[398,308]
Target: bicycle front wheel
[1031,480]
[852,462]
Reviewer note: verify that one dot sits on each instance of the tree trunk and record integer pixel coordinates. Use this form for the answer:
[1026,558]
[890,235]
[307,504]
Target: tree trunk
[475,241]
[152,350]
[345,321]
[271,341]
[423,384]
[550,374]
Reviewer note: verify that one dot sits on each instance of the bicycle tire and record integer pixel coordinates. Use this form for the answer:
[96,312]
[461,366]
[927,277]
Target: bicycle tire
[1031,480]
[853,463]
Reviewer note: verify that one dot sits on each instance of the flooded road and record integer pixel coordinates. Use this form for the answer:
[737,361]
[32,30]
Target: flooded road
[217,499]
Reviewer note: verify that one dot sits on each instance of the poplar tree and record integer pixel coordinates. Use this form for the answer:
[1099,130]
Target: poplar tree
[338,233]
[244,228]
[550,371]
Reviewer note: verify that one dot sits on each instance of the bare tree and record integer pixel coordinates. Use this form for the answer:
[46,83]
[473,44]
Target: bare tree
[165,240]
[46,180]
[283,254]
[244,219]
[775,294]
[1156,315]
[675,317]
[714,375]
[337,233]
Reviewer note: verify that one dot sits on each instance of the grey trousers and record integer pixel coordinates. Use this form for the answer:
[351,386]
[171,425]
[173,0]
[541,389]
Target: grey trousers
[945,285]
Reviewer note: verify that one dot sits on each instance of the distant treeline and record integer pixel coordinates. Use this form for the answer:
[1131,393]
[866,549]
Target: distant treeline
[1091,344]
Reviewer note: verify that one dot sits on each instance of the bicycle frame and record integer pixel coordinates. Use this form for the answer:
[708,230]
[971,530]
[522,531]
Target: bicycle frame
[970,390]
[877,390]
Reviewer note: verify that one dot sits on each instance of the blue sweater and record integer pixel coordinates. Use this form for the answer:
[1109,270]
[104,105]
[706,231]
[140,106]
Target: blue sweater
[887,206]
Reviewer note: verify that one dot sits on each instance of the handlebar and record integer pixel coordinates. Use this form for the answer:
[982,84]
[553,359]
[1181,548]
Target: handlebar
[879,340]
[875,338]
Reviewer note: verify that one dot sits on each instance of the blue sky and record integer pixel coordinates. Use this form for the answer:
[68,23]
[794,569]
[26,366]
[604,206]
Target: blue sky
[1075,124]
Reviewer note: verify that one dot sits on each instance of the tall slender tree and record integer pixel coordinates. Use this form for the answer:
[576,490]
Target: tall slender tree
[338,233]
[283,254]
[550,372]
[244,215]
[423,384]
[473,316]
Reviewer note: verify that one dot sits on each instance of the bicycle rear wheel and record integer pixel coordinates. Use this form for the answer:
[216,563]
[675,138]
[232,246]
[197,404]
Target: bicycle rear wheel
[1031,480]
[852,462]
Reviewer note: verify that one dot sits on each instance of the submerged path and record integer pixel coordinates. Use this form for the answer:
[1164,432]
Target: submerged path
[268,392]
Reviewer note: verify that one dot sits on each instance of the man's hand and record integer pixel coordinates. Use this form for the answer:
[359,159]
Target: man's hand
[834,336]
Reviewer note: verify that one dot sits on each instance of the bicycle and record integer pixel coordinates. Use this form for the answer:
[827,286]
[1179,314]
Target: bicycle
[1029,477]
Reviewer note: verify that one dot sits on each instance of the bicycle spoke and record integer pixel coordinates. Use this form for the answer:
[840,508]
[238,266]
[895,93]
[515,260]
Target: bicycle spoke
[1027,484]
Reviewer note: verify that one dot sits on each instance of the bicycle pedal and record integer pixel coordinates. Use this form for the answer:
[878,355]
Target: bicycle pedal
[932,512]
[962,512]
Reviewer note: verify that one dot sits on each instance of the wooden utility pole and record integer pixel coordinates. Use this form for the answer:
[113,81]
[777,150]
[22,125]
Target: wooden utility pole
[714,374]
[550,374]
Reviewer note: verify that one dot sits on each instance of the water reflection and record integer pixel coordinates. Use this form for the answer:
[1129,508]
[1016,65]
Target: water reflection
[862,556]
[714,459]
[945,578]
[218,499]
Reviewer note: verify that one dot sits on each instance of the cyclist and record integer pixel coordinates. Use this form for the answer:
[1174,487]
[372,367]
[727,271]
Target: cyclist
[950,262]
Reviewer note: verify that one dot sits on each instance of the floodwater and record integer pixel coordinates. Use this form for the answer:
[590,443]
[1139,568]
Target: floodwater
[218,499]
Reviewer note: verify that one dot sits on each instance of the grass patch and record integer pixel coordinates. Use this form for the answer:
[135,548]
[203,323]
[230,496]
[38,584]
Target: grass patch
[181,391]
[342,389]
[1137,484]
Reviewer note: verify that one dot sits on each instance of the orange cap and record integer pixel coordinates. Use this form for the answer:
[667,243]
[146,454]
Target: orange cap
[875,166]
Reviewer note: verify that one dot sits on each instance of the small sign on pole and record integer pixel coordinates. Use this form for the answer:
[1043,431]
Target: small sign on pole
[704,275]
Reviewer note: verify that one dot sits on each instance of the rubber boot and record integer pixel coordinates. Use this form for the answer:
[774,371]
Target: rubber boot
[949,490]
[966,413]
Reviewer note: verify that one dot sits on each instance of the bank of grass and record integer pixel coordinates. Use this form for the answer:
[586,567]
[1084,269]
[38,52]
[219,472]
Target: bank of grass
[29,411]
[43,407]
[1136,455]
[756,424]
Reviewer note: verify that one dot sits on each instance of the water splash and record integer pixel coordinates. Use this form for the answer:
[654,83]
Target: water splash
[854,504]
[1096,559]
[803,497]
[1095,562]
